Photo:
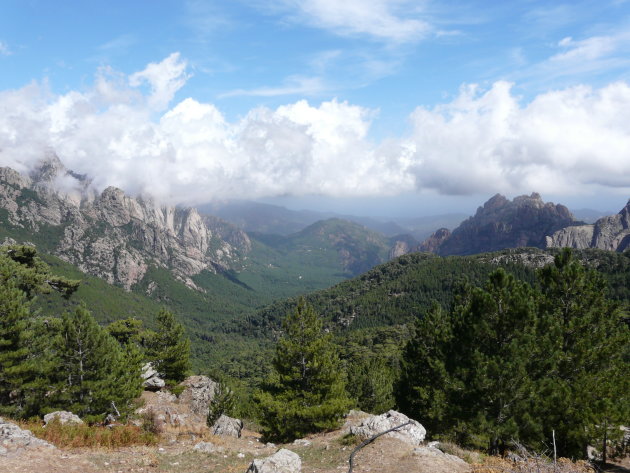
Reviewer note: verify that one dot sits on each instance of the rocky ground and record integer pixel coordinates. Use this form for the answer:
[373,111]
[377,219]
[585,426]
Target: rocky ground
[187,445]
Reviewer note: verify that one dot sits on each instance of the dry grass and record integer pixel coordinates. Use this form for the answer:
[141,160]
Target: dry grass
[83,435]
[531,465]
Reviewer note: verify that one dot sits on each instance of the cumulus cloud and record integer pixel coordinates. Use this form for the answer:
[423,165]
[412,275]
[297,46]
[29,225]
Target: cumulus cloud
[165,79]
[560,142]
[481,141]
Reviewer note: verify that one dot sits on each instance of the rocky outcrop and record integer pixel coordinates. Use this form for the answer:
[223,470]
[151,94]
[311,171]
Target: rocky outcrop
[112,235]
[208,447]
[608,233]
[151,378]
[500,224]
[15,441]
[401,245]
[283,461]
[63,417]
[433,243]
[227,427]
[198,395]
[412,433]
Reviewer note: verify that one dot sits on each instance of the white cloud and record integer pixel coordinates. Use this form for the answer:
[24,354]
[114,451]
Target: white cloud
[293,85]
[165,79]
[566,141]
[4,49]
[390,20]
[561,142]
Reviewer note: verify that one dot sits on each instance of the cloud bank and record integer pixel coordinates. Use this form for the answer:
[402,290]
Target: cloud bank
[123,133]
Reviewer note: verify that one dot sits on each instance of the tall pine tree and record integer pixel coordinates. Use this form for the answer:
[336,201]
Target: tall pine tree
[25,360]
[307,390]
[585,384]
[169,348]
[94,371]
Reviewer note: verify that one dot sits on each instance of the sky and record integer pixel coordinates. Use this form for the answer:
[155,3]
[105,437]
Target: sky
[361,106]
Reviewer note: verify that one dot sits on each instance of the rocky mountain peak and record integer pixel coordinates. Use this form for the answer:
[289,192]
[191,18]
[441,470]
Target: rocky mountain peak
[502,223]
[115,236]
[608,233]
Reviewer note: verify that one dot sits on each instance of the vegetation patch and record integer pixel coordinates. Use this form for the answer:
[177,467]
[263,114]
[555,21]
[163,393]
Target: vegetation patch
[91,436]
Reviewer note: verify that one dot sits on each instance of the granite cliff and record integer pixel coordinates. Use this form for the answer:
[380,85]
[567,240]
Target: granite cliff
[501,223]
[112,235]
[610,233]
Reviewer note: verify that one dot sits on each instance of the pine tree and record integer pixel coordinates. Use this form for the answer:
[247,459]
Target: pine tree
[586,381]
[169,349]
[372,385]
[307,391]
[16,369]
[422,391]
[94,371]
[25,360]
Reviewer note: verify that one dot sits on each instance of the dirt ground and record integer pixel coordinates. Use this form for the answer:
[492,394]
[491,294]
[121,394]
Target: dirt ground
[327,453]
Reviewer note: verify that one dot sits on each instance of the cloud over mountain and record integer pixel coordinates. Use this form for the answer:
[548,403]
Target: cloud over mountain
[131,136]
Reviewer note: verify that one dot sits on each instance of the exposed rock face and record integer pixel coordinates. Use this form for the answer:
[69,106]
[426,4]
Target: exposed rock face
[114,236]
[433,243]
[283,461]
[412,433]
[198,394]
[401,245]
[227,426]
[501,224]
[64,417]
[14,441]
[608,233]
[152,380]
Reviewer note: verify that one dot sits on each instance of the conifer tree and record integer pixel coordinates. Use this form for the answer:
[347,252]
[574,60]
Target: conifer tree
[94,371]
[25,362]
[585,386]
[169,348]
[423,391]
[16,367]
[307,391]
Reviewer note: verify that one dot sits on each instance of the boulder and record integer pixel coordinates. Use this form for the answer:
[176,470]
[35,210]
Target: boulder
[208,447]
[412,433]
[152,380]
[14,440]
[227,426]
[432,450]
[198,394]
[64,417]
[283,461]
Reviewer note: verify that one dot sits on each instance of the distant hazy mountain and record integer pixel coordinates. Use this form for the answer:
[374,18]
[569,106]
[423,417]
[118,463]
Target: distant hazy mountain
[589,215]
[501,223]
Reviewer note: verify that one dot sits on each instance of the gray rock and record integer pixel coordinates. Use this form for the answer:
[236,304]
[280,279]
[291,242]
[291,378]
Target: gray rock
[64,417]
[227,426]
[433,450]
[198,394]
[114,236]
[302,442]
[208,447]
[610,233]
[152,380]
[283,461]
[413,433]
[14,440]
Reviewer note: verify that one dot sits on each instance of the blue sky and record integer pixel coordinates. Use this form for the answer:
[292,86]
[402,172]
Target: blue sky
[430,100]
